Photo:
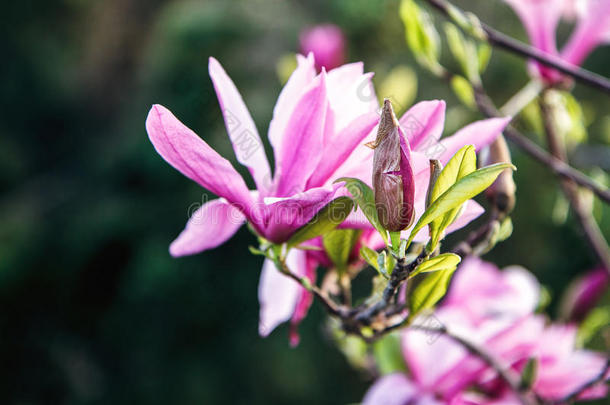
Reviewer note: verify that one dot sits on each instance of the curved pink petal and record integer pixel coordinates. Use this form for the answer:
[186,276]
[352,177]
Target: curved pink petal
[283,216]
[482,291]
[583,293]
[301,150]
[305,298]
[351,93]
[247,145]
[566,375]
[423,124]
[392,389]
[194,158]
[540,19]
[479,133]
[339,149]
[210,226]
[592,29]
[290,95]
[278,294]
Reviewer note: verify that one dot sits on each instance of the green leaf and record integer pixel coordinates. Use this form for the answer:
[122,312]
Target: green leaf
[445,261]
[395,239]
[388,354]
[598,319]
[429,292]
[369,256]
[365,200]
[505,231]
[338,245]
[465,189]
[421,35]
[528,375]
[324,221]
[463,162]
[463,90]
[483,55]
[455,42]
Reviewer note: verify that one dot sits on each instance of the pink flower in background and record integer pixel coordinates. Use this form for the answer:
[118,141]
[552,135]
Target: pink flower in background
[541,17]
[583,294]
[495,310]
[327,43]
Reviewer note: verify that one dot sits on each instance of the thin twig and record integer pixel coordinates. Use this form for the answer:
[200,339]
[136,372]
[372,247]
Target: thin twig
[593,234]
[488,108]
[512,45]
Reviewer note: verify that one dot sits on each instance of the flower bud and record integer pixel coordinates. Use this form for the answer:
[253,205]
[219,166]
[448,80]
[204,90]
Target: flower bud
[393,180]
[582,295]
[327,44]
[502,192]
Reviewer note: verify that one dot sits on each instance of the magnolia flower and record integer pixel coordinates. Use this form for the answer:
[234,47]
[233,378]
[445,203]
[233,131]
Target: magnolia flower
[494,310]
[541,17]
[327,44]
[319,127]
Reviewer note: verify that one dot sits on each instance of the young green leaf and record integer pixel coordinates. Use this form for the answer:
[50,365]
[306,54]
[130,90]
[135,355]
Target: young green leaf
[459,166]
[429,292]
[327,219]
[465,189]
[365,200]
[528,375]
[338,245]
[369,256]
[463,90]
[445,261]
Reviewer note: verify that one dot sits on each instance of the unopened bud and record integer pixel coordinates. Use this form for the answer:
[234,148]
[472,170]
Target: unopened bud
[502,192]
[436,167]
[583,294]
[392,173]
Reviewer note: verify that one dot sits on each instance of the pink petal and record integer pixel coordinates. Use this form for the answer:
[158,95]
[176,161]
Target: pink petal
[194,158]
[392,389]
[305,299]
[566,375]
[423,123]
[540,19]
[479,133]
[483,291]
[277,293]
[351,93]
[210,226]
[292,92]
[592,29]
[340,148]
[301,149]
[247,145]
[285,215]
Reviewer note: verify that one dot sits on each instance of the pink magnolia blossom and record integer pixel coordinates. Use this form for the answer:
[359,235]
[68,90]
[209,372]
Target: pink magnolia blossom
[319,127]
[541,17]
[327,43]
[494,310]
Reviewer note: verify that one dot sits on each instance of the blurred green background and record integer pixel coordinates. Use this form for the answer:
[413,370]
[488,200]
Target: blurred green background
[93,309]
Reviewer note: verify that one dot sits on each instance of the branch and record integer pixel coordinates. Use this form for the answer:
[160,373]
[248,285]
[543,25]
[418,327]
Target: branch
[593,234]
[399,274]
[512,45]
[488,108]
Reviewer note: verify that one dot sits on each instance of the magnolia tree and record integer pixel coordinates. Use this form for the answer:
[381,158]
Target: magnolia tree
[356,189]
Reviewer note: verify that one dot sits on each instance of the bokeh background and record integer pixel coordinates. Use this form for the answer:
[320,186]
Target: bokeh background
[92,308]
